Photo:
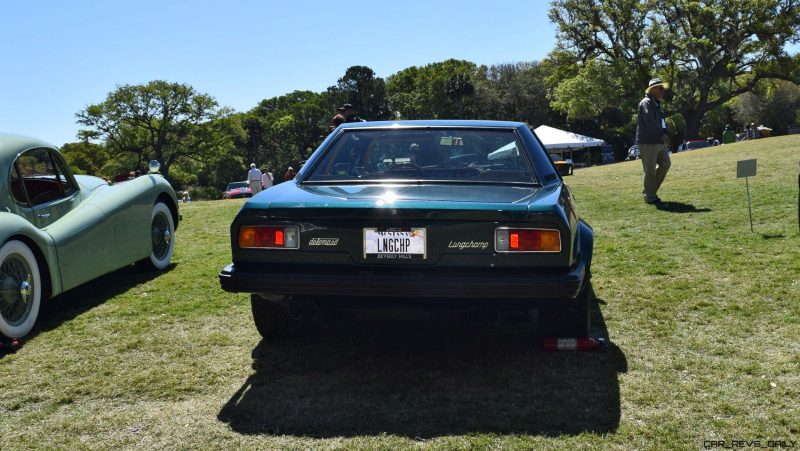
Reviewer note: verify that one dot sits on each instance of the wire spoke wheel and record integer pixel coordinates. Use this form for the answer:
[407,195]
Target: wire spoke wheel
[162,236]
[17,289]
[20,289]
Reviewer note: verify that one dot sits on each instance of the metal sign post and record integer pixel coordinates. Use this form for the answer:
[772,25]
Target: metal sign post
[747,169]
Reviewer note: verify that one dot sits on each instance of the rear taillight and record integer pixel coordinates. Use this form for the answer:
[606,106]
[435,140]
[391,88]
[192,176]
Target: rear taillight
[269,237]
[527,240]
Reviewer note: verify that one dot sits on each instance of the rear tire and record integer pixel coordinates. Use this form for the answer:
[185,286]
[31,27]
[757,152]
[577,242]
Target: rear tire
[273,321]
[20,289]
[570,319]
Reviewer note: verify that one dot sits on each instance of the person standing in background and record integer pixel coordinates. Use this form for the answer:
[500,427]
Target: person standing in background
[266,178]
[254,179]
[349,113]
[289,174]
[653,139]
[728,136]
[338,119]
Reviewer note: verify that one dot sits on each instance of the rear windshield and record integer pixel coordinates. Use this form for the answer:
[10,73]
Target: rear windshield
[437,155]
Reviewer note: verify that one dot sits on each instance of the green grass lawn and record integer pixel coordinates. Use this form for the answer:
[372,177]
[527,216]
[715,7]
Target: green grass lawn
[702,314]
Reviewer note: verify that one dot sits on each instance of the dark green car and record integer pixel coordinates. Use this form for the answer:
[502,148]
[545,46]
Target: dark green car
[456,214]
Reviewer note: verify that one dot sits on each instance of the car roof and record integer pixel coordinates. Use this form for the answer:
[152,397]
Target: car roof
[11,145]
[434,123]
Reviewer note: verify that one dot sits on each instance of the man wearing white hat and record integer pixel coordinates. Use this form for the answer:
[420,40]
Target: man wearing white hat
[653,139]
[254,179]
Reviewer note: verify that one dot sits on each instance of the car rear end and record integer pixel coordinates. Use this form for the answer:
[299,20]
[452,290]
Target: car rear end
[415,250]
[464,221]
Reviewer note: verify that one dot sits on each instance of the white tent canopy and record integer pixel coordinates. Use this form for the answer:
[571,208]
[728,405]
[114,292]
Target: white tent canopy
[553,138]
[507,151]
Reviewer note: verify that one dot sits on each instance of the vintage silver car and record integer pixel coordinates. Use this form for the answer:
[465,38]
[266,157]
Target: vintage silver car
[59,230]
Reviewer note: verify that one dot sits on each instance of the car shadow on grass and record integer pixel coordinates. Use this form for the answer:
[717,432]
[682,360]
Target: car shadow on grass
[426,377]
[73,303]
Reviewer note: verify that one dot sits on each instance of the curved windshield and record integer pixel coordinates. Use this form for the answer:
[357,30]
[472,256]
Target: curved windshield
[458,155]
[237,185]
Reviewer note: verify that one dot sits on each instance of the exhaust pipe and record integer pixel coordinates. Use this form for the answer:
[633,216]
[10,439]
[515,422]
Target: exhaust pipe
[310,311]
[295,311]
[303,311]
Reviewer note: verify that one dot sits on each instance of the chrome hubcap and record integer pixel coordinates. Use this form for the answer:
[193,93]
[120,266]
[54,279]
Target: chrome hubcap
[25,289]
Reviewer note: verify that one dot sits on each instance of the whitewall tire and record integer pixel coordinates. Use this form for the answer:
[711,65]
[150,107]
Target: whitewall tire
[20,289]
[162,233]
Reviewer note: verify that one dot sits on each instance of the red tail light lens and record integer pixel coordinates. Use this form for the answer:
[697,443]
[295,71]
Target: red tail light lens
[527,240]
[269,237]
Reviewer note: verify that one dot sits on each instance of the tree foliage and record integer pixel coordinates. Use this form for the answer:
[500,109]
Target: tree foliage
[442,90]
[724,59]
[775,103]
[85,157]
[709,51]
[361,88]
[515,92]
[160,120]
[282,131]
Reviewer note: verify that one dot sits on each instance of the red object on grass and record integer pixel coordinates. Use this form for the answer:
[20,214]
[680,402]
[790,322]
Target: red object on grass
[10,346]
[572,344]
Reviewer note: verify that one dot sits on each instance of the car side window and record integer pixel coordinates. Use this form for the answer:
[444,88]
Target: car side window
[43,176]
[17,190]
[68,184]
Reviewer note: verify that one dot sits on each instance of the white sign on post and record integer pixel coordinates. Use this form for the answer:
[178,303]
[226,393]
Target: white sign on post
[746,169]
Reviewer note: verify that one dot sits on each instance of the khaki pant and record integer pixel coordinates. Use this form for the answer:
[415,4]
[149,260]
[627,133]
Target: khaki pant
[255,186]
[655,161]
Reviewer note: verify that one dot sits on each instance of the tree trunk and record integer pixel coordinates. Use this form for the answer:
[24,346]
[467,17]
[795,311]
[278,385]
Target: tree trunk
[692,119]
[164,171]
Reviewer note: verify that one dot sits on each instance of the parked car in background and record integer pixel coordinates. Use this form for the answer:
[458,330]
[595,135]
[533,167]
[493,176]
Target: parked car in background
[694,144]
[59,230]
[465,214]
[565,167]
[633,153]
[236,190]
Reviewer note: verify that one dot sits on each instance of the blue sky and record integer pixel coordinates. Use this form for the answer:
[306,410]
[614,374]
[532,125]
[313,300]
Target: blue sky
[59,57]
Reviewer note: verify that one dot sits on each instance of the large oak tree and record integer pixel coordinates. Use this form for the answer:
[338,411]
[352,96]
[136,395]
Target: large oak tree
[710,51]
[160,120]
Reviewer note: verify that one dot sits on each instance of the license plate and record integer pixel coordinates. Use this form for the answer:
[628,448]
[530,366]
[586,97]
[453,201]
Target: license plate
[394,244]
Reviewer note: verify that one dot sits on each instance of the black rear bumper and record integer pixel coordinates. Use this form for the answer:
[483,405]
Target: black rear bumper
[402,282]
